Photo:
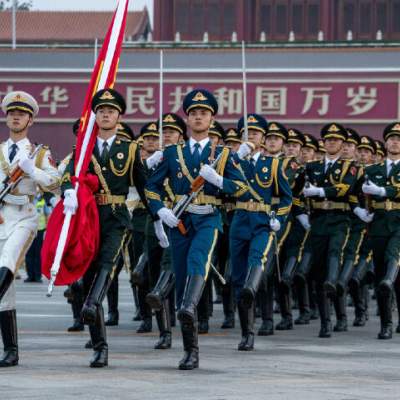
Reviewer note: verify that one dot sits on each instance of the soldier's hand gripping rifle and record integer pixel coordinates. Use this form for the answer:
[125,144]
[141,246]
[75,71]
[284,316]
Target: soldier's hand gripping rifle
[368,201]
[278,267]
[184,202]
[307,200]
[12,180]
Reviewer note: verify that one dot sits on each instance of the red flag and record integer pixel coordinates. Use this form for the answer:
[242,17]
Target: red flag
[71,243]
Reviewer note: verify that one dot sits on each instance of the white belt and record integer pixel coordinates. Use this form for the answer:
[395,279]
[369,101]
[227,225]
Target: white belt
[201,210]
[19,200]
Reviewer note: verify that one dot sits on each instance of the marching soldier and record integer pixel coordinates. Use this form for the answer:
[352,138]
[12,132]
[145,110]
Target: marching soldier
[161,297]
[383,185]
[252,233]
[297,227]
[330,182]
[192,246]
[358,284]
[19,220]
[117,165]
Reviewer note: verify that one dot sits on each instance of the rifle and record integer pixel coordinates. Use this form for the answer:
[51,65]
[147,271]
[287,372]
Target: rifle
[368,201]
[12,180]
[184,202]
[307,201]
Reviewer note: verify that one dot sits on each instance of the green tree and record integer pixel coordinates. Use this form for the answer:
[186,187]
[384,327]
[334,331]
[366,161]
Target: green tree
[21,5]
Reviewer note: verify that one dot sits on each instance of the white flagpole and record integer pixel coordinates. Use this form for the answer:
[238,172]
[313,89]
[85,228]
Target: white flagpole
[161,98]
[102,82]
[246,132]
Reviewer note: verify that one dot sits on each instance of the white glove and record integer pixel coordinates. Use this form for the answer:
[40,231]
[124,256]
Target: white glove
[26,164]
[168,217]
[274,224]
[363,214]
[371,188]
[211,175]
[154,160]
[304,220]
[244,150]
[312,190]
[53,201]
[161,235]
[70,201]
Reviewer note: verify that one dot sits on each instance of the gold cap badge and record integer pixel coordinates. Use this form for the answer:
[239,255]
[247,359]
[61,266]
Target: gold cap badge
[199,97]
[107,96]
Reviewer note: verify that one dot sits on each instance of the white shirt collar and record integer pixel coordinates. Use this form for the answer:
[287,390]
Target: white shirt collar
[203,143]
[327,161]
[23,144]
[109,141]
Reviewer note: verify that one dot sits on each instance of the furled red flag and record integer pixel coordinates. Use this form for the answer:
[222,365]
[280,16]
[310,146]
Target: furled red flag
[71,242]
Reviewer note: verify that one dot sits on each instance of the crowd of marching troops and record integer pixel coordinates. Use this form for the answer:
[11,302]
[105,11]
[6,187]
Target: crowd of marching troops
[268,216]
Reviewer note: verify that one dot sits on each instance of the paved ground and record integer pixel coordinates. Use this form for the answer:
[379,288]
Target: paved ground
[290,365]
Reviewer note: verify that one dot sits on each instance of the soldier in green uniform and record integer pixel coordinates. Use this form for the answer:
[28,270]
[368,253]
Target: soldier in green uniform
[118,166]
[359,283]
[358,227]
[330,182]
[124,133]
[304,287]
[383,185]
[297,226]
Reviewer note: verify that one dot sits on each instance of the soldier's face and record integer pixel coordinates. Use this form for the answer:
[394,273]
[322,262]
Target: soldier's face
[274,144]
[333,146]
[199,120]
[307,154]
[365,156]
[234,146]
[214,140]
[107,118]
[349,151]
[393,145]
[18,121]
[292,149]
[256,137]
[151,144]
[170,136]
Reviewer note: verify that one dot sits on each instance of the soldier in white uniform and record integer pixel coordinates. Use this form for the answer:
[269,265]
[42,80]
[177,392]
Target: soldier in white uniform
[19,219]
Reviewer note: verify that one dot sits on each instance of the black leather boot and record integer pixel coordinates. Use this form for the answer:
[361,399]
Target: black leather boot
[6,277]
[138,275]
[161,290]
[246,317]
[392,270]
[384,299]
[76,306]
[356,293]
[304,304]
[332,276]
[287,273]
[99,341]
[146,326]
[344,277]
[8,326]
[95,297]
[267,309]
[324,311]
[172,308]
[303,269]
[203,310]
[286,322]
[112,299]
[191,297]
[228,306]
[341,316]
[249,291]
[358,274]
[164,326]
[190,358]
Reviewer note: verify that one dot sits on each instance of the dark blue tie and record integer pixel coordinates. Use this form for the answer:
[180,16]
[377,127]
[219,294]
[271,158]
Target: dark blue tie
[196,155]
[14,149]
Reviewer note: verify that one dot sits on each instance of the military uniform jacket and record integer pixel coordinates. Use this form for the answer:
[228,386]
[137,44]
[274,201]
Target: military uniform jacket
[123,169]
[338,183]
[386,209]
[294,172]
[266,180]
[177,165]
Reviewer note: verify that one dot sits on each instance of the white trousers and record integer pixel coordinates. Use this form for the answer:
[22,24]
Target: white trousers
[17,233]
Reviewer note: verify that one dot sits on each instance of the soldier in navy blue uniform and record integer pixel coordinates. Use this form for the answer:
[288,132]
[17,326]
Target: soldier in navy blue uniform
[192,252]
[252,229]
